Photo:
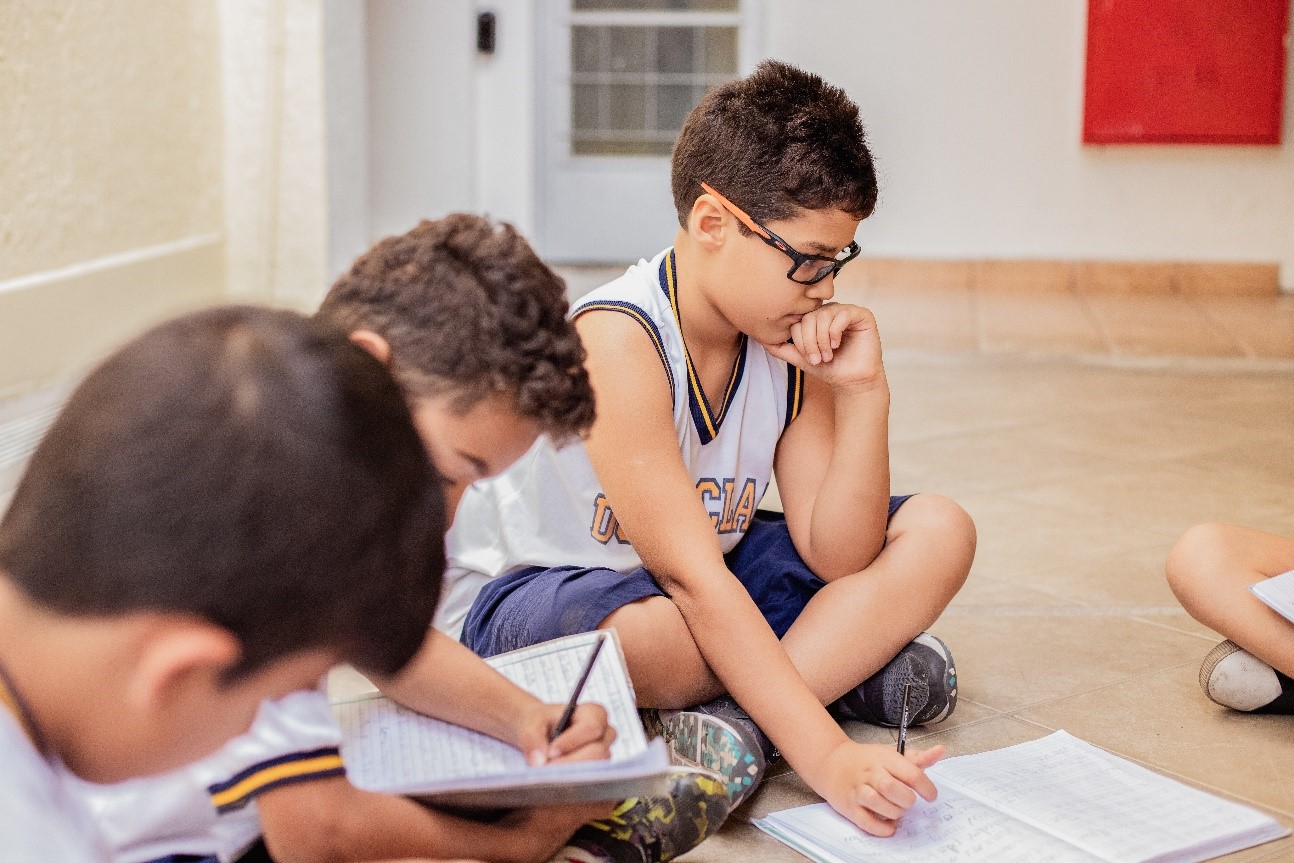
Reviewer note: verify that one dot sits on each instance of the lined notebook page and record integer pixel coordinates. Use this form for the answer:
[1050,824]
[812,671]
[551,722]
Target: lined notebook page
[1108,806]
[952,829]
[1278,593]
[389,748]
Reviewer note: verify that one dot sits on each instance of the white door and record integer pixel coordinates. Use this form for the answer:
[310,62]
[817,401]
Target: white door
[616,80]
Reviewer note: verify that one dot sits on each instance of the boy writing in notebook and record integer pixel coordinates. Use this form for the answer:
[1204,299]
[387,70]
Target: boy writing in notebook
[1210,569]
[716,364]
[472,325]
[215,518]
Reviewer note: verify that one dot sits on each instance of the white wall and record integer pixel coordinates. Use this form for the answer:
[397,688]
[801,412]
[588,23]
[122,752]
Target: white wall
[975,110]
[346,131]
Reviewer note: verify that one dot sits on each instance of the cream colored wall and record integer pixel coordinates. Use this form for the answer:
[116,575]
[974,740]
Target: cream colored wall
[154,157]
[110,175]
[975,114]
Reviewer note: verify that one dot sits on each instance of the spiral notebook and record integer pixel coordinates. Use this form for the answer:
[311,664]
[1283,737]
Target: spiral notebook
[1053,800]
[390,749]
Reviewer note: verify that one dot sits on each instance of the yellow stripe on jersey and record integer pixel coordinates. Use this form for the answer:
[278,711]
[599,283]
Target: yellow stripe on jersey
[290,768]
[711,421]
[794,392]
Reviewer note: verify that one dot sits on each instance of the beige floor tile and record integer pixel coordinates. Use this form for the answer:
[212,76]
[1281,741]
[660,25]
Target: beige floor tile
[1048,323]
[1167,500]
[895,274]
[1008,661]
[1249,281]
[1149,435]
[983,594]
[934,319]
[1126,279]
[1134,579]
[1159,326]
[993,733]
[1180,621]
[992,459]
[741,842]
[1027,278]
[1264,326]
[1035,529]
[966,713]
[1164,720]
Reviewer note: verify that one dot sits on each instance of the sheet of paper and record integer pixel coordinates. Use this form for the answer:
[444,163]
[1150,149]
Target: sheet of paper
[1278,593]
[952,829]
[389,748]
[1112,808]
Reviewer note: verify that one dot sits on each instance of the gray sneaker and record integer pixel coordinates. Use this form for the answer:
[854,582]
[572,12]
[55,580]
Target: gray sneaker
[1235,678]
[927,664]
[717,736]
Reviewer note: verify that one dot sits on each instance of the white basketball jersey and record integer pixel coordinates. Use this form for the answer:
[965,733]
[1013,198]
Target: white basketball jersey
[41,819]
[208,808]
[549,508]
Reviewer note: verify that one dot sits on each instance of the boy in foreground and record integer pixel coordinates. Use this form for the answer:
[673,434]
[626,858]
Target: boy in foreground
[716,364]
[1210,569]
[472,326]
[215,518]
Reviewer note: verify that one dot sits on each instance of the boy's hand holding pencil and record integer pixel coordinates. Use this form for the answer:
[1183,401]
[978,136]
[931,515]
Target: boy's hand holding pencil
[588,737]
[874,786]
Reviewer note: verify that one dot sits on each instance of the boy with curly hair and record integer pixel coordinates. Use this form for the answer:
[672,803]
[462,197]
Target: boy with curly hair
[472,326]
[716,364]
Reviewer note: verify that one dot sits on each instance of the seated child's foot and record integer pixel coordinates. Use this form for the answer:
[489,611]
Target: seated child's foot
[1235,678]
[717,736]
[654,829]
[927,664]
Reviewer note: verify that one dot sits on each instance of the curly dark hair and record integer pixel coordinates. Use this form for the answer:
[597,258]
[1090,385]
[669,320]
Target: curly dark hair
[469,308]
[776,142]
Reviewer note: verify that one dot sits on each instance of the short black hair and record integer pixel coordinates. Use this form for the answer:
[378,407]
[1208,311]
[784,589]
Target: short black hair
[775,143]
[248,466]
[469,309]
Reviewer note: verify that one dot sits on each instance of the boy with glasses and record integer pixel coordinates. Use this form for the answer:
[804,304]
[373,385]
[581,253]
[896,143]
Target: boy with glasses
[717,365]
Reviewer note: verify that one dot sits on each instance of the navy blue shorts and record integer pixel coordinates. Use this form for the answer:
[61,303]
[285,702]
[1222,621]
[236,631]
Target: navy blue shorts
[536,604]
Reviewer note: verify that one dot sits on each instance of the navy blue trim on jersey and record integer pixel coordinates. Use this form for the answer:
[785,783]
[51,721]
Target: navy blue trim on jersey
[239,789]
[641,316]
[794,392]
[704,417]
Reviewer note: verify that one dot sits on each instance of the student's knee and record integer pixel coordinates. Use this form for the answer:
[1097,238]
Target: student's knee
[664,662]
[1192,560]
[943,522]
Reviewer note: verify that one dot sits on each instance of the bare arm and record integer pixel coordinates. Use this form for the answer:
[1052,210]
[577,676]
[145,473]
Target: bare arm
[635,453]
[448,681]
[833,462]
[332,821]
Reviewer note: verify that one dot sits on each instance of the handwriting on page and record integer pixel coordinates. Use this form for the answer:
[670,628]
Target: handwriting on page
[549,672]
[1112,808]
[389,745]
[952,829]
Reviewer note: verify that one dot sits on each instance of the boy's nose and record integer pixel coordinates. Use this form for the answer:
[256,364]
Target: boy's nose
[823,290]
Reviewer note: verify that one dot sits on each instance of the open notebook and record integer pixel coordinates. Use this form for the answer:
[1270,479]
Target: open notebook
[393,750]
[1278,593]
[1053,800]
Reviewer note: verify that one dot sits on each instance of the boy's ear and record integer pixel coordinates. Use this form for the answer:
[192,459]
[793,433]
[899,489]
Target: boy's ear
[374,344]
[177,654]
[707,223]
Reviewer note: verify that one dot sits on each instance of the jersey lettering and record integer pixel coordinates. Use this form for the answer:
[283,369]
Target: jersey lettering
[730,511]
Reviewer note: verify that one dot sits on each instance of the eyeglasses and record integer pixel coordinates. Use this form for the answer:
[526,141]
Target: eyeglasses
[807,269]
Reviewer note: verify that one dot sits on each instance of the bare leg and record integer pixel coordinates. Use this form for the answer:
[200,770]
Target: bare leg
[1210,570]
[845,634]
[858,623]
[665,665]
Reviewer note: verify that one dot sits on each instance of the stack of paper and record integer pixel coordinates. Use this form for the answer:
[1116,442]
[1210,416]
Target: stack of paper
[1054,800]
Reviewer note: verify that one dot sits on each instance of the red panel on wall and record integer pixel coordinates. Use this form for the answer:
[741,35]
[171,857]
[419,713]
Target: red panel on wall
[1184,71]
